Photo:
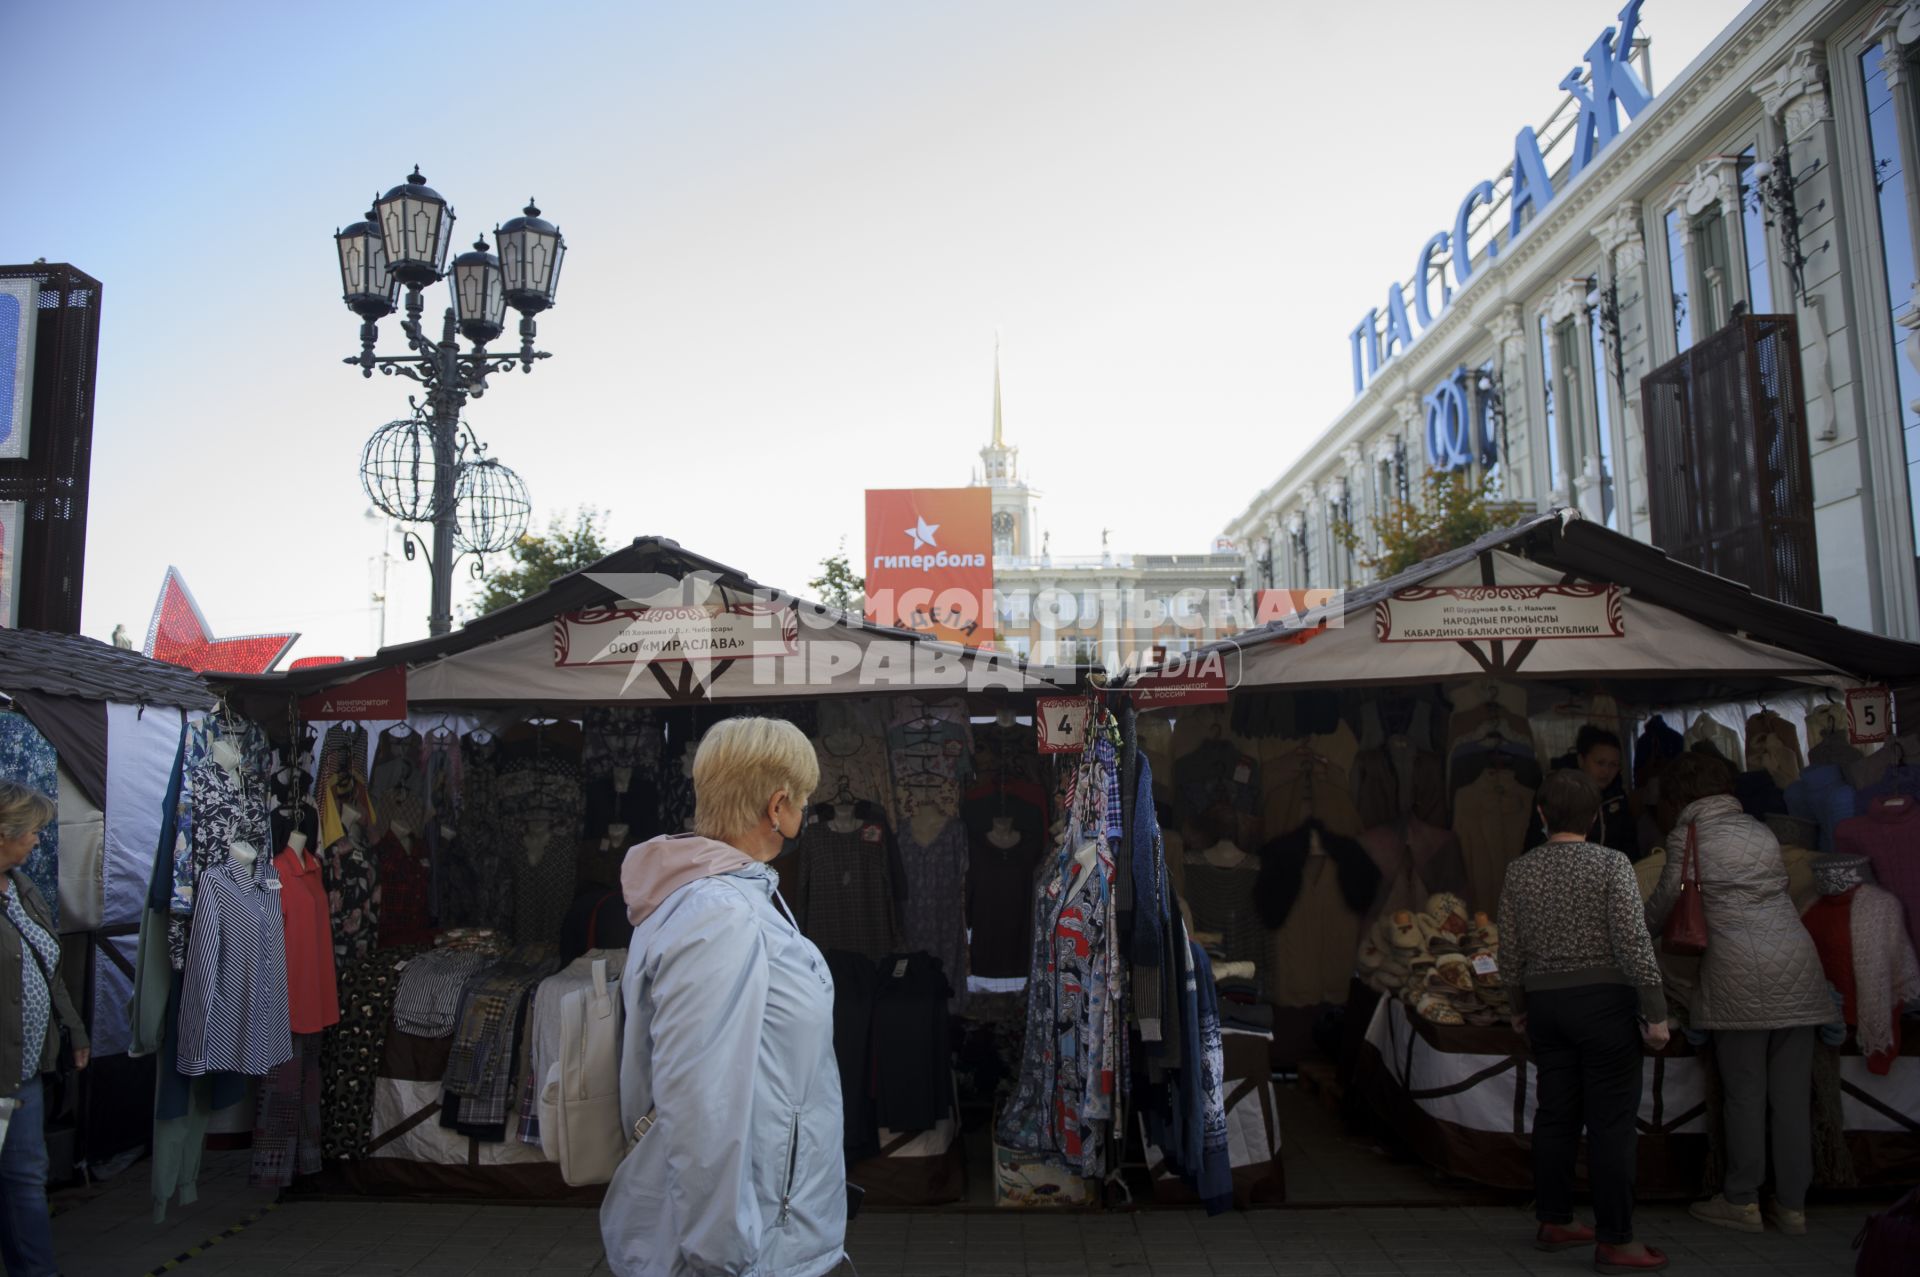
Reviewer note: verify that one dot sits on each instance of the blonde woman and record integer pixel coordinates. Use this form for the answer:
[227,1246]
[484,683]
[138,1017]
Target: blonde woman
[34,1007]
[727,1067]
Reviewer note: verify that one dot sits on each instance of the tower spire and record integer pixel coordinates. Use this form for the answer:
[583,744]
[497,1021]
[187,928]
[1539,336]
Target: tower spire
[998,440]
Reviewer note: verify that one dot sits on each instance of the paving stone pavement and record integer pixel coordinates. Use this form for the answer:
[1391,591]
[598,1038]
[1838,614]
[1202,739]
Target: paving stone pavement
[110,1232]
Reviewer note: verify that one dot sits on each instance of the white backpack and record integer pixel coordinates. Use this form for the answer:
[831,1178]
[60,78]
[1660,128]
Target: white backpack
[580,1126]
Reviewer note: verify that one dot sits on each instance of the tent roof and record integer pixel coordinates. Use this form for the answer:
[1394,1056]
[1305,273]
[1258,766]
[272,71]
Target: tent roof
[74,665]
[506,656]
[1729,631]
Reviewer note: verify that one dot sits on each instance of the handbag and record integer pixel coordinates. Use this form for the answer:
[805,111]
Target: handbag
[580,1126]
[1685,934]
[1889,1241]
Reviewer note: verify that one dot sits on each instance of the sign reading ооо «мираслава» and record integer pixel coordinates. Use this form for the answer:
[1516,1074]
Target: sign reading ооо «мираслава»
[1608,87]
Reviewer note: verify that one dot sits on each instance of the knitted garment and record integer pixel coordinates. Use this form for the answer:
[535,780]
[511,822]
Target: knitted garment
[1774,744]
[1282,866]
[1886,973]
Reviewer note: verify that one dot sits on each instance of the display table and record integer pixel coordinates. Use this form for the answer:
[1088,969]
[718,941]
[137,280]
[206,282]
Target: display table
[1463,1098]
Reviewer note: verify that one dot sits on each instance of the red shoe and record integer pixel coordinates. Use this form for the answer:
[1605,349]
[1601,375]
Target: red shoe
[1562,1237]
[1608,1259]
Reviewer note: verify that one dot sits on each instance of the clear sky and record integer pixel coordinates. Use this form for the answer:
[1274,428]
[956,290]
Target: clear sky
[793,230]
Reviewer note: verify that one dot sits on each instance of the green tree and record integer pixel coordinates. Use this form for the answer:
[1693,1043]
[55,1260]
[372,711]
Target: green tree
[1454,509]
[538,560]
[837,585]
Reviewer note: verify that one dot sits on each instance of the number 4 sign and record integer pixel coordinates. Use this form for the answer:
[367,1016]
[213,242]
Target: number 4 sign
[1869,715]
[1062,723]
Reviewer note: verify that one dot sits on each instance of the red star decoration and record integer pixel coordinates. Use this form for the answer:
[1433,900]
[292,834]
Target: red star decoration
[178,634]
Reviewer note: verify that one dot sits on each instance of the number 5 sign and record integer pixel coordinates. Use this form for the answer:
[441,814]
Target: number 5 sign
[1869,715]
[1062,723]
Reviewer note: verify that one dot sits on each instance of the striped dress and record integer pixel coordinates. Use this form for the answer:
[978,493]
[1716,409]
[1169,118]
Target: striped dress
[233,996]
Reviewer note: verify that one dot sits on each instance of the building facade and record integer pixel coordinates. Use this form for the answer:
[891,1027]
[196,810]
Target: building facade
[1110,609]
[1693,315]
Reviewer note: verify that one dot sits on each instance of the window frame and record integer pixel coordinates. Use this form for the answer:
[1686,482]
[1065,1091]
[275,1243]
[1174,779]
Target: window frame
[1895,597]
[1578,399]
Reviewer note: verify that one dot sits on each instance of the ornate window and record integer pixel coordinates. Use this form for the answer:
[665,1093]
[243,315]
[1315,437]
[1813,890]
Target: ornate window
[1677,278]
[1753,231]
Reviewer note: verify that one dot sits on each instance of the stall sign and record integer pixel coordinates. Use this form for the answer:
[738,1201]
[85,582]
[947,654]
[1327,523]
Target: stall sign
[375,697]
[1869,715]
[674,635]
[929,563]
[1463,613]
[1062,723]
[1197,679]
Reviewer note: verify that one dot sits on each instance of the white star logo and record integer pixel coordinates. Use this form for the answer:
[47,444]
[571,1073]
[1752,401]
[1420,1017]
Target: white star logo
[922,534]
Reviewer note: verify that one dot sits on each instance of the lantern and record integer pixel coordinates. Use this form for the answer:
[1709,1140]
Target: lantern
[417,226]
[369,288]
[479,304]
[530,253]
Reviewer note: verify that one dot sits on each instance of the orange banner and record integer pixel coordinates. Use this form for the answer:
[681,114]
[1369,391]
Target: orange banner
[930,561]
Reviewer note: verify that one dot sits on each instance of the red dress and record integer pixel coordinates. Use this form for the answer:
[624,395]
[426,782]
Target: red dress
[406,888]
[313,998]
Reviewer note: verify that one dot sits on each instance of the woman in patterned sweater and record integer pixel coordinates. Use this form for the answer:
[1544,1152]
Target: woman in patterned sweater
[1579,970]
[34,1007]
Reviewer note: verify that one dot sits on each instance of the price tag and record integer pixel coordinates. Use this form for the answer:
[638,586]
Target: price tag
[1484,964]
[1062,723]
[1869,715]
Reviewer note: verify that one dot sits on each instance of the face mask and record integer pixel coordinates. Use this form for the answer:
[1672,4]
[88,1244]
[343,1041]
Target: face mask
[788,845]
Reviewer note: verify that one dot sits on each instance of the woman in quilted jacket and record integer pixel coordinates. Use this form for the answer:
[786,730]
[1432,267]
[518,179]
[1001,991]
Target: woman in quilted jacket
[1762,994]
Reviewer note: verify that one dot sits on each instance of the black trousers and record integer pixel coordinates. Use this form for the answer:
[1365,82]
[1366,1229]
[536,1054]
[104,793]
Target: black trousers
[1586,1054]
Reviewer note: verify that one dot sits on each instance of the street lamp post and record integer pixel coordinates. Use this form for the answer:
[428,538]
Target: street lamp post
[403,243]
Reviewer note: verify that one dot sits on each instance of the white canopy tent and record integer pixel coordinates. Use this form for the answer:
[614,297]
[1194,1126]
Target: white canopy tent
[1654,641]
[655,624]
[1670,627]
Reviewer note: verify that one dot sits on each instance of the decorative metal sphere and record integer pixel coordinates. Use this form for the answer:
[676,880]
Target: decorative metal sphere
[492,508]
[397,468]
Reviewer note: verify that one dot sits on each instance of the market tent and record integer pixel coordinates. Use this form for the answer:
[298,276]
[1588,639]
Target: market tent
[562,647]
[115,720]
[1674,623]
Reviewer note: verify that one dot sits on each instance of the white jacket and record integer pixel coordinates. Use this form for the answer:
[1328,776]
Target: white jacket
[729,1040]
